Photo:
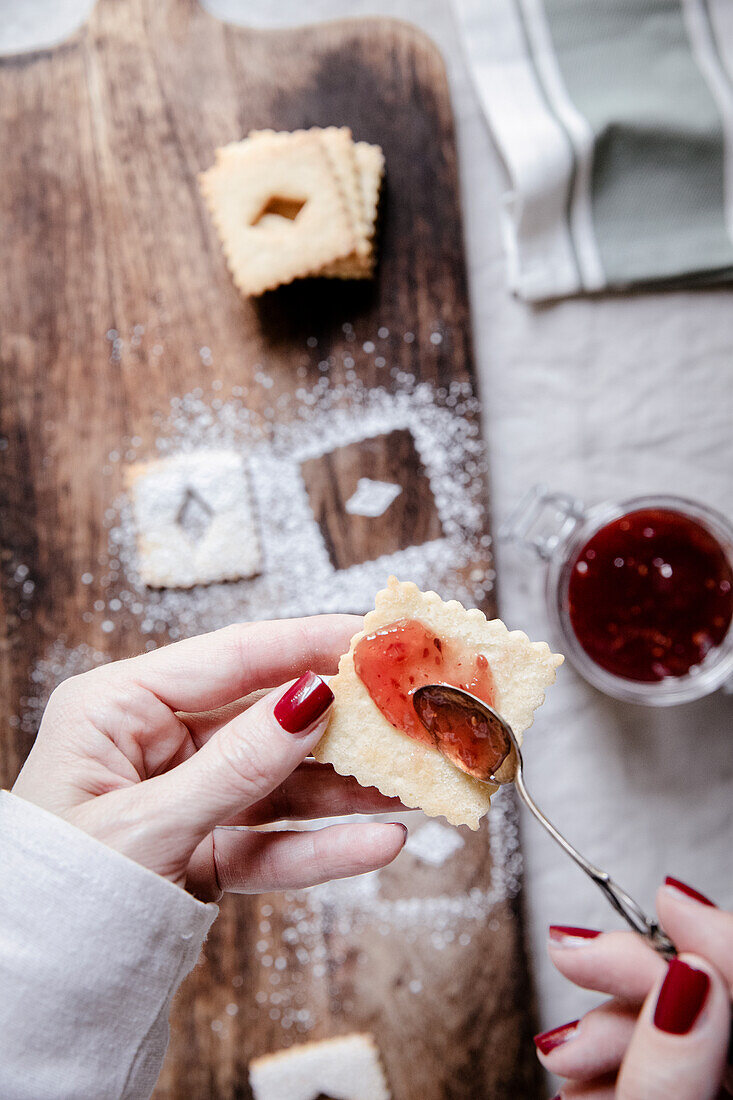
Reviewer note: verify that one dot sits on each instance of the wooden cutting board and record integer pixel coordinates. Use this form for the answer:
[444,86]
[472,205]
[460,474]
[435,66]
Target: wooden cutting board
[105,238]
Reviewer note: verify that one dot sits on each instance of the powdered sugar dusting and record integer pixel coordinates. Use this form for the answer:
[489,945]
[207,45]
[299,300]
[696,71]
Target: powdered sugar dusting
[316,927]
[335,920]
[434,843]
[59,663]
[297,576]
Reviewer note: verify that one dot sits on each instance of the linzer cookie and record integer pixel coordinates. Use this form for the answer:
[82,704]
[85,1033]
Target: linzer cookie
[194,519]
[278,210]
[293,205]
[347,1067]
[414,638]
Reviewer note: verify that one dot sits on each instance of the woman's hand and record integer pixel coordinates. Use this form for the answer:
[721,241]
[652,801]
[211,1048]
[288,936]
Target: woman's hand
[665,1031]
[151,754]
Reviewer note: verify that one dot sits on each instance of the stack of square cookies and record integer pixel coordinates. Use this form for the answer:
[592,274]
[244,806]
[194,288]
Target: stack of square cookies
[291,205]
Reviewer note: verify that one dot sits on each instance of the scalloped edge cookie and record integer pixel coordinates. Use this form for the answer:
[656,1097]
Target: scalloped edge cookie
[348,1066]
[266,253]
[370,167]
[229,549]
[359,740]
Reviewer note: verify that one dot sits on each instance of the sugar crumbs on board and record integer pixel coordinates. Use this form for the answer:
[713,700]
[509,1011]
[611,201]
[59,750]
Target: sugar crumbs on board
[337,920]
[313,423]
[59,663]
[274,445]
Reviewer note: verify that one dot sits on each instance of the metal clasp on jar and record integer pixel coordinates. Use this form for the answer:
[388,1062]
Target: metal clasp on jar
[542,521]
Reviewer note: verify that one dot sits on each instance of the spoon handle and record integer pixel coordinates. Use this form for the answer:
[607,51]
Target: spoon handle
[622,902]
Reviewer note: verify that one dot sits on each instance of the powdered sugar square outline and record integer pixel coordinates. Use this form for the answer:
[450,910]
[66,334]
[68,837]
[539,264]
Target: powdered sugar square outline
[297,577]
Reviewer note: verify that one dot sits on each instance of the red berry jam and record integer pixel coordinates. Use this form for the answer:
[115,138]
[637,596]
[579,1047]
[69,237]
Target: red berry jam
[650,594]
[395,661]
[463,732]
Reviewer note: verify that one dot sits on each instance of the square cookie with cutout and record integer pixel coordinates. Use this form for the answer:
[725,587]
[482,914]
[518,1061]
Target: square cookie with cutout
[361,741]
[194,519]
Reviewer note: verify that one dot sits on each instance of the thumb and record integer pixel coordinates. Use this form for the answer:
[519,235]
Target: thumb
[680,1041]
[246,759]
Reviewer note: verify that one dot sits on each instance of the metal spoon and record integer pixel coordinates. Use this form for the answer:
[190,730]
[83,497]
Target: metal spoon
[428,700]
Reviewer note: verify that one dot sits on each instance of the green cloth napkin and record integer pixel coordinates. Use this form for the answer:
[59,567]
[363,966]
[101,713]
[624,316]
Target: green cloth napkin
[615,122]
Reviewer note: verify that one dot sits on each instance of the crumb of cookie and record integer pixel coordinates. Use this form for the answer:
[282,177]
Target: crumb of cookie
[194,519]
[347,1067]
[360,741]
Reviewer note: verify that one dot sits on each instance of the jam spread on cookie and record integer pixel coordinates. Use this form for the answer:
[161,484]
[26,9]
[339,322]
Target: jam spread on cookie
[395,661]
[650,594]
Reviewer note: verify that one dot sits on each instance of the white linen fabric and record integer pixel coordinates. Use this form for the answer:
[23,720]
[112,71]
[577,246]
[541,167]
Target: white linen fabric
[92,949]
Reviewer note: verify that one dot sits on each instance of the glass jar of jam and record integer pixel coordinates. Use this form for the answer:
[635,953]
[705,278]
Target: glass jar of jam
[640,591]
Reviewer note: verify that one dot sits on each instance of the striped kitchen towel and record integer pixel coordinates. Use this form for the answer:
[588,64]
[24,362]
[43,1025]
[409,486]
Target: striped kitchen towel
[615,122]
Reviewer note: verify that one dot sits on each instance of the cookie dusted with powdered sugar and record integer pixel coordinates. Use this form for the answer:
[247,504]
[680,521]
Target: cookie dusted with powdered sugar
[194,519]
[347,1067]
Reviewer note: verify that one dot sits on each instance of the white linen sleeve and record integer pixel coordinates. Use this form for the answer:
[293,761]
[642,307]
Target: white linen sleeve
[92,949]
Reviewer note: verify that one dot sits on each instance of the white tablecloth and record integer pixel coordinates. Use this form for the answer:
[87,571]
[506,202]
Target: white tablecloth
[606,399]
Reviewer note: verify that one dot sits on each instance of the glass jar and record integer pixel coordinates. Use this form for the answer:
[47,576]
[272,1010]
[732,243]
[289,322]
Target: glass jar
[558,528]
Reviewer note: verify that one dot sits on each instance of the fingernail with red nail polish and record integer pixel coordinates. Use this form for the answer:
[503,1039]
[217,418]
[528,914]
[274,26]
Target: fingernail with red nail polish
[563,933]
[550,1040]
[303,704]
[681,998]
[689,891]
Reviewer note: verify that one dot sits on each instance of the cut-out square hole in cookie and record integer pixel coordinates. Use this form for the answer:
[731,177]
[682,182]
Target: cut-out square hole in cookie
[195,515]
[287,209]
[371,498]
[194,519]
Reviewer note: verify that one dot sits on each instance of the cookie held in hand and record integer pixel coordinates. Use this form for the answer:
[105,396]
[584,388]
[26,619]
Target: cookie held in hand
[414,638]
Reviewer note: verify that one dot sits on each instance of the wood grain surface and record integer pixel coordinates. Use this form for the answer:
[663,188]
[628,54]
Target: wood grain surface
[104,229]
[331,480]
